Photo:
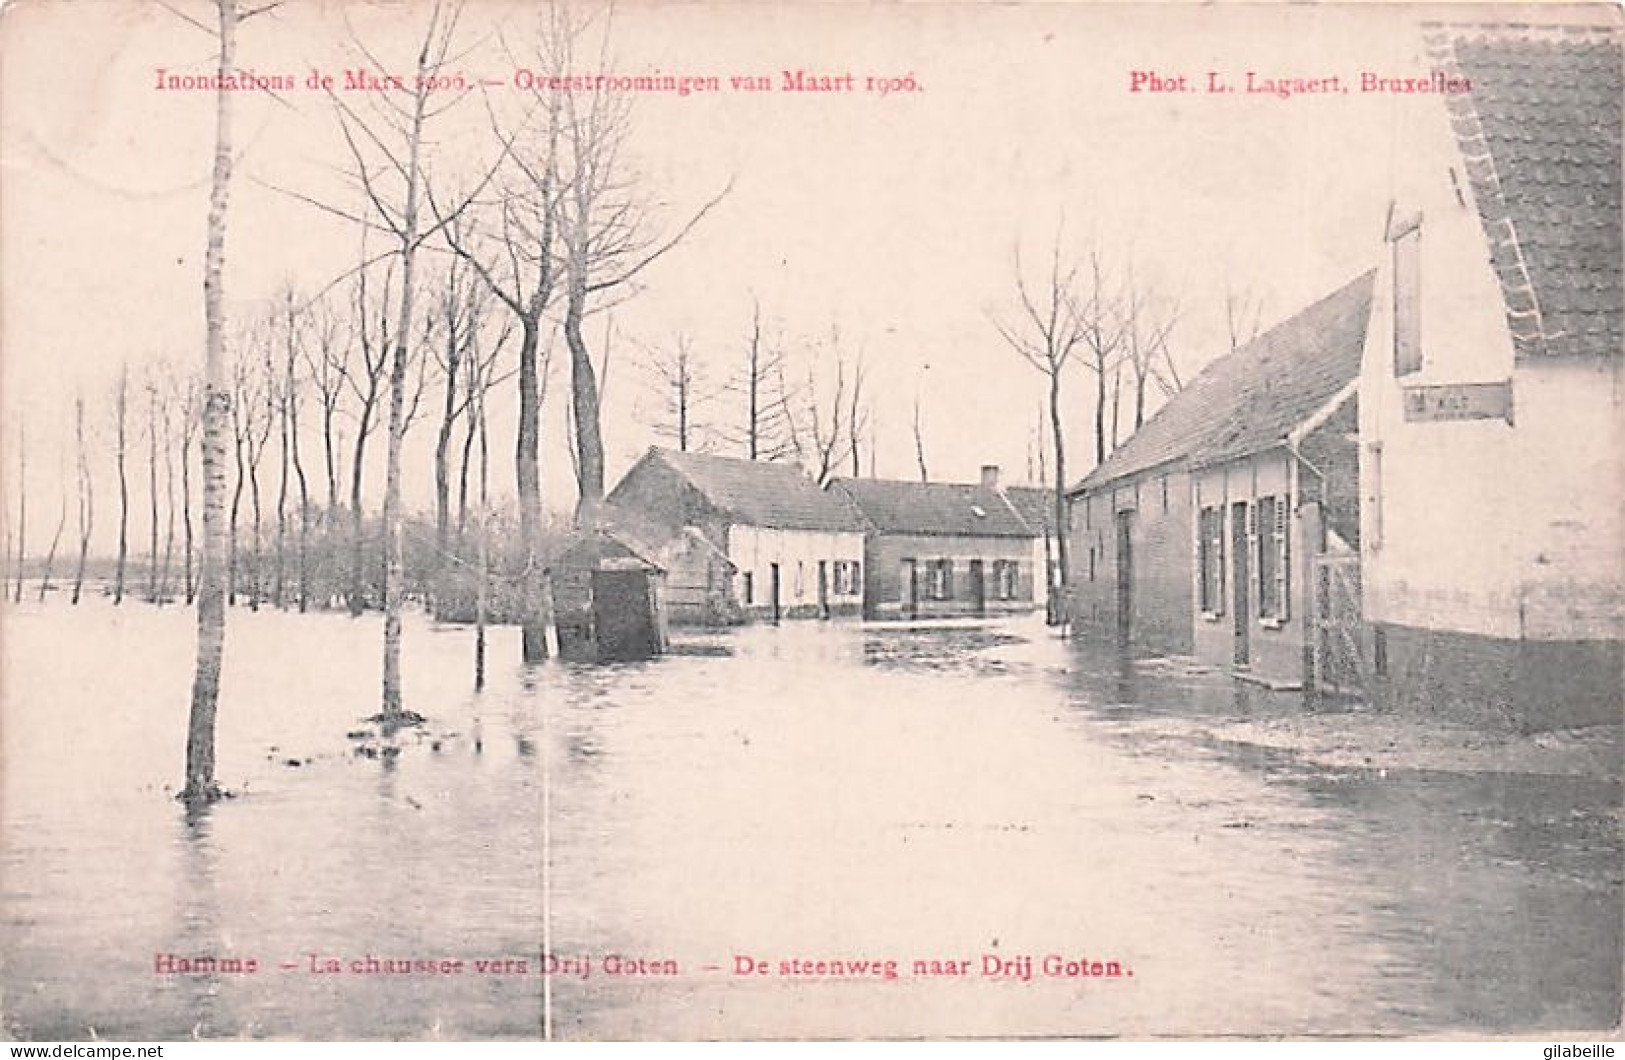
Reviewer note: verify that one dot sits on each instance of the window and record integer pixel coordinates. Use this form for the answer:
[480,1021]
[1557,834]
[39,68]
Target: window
[1210,559]
[1005,579]
[939,579]
[1091,563]
[848,577]
[1273,566]
[749,590]
[1406,238]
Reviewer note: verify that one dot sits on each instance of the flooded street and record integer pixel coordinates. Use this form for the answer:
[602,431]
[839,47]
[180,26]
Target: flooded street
[979,824]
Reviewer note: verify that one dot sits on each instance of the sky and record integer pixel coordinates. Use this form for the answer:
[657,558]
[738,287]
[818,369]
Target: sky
[897,220]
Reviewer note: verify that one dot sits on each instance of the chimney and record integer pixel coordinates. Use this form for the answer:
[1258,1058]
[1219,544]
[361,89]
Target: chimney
[990,476]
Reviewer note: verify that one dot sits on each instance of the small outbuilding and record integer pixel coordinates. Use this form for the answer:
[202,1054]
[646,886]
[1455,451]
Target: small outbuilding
[608,597]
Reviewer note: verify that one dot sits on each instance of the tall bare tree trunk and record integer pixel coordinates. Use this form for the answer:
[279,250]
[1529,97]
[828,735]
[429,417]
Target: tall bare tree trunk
[482,590]
[56,539]
[121,416]
[211,610]
[86,497]
[393,560]
[589,436]
[189,420]
[358,543]
[527,471]
[152,492]
[919,442]
[239,436]
[304,497]
[169,505]
[1059,611]
[284,461]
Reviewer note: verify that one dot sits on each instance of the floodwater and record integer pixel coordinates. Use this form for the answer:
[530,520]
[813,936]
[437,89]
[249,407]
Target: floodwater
[989,801]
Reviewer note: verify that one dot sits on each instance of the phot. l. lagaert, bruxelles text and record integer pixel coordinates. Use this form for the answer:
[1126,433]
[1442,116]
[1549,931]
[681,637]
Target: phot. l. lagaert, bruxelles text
[1289,86]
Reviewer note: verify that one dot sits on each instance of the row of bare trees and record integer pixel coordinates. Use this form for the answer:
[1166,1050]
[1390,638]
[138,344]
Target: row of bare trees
[558,215]
[807,401]
[1111,322]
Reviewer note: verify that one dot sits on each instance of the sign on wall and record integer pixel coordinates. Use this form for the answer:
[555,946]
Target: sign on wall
[1458,401]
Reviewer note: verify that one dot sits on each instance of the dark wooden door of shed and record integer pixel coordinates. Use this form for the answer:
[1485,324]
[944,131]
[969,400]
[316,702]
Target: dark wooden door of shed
[623,615]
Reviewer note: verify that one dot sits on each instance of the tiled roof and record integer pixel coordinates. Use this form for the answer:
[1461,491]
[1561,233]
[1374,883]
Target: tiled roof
[1035,506]
[935,508]
[1250,399]
[762,492]
[1539,135]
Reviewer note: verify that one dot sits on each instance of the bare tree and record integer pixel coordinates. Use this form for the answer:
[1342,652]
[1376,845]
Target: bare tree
[462,310]
[1099,323]
[326,357]
[678,380]
[56,538]
[170,398]
[1243,314]
[121,412]
[479,376]
[482,552]
[251,420]
[604,230]
[190,423]
[823,417]
[387,149]
[1047,328]
[365,379]
[1149,317]
[759,384]
[86,494]
[518,263]
[211,619]
[919,441]
[153,399]
[858,416]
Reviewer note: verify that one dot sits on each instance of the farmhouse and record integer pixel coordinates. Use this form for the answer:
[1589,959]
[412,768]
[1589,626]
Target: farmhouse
[1491,397]
[937,549]
[790,549]
[1199,535]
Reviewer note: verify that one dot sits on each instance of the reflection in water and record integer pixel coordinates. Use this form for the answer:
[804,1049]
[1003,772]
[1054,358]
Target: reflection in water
[820,791]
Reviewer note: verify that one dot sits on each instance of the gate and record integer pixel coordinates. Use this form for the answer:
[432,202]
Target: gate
[1339,654]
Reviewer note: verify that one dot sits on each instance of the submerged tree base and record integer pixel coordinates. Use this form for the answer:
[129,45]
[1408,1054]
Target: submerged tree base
[210,794]
[389,723]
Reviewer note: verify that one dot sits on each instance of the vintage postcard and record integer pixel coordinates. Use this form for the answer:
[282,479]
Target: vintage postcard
[794,520]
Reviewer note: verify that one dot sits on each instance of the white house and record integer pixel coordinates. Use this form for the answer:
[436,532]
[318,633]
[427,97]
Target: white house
[796,551]
[1491,413]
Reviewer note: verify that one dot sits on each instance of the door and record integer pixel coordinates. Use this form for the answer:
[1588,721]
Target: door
[978,588]
[773,586]
[1240,580]
[823,588]
[1125,576]
[623,616]
[909,589]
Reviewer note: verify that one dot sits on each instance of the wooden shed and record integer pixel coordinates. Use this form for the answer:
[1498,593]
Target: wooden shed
[608,597]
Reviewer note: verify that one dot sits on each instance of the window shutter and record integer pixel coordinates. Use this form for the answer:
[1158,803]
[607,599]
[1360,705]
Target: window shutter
[1283,567]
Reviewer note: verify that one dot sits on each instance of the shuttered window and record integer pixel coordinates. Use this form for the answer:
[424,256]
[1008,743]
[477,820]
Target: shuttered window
[1210,559]
[1407,302]
[1273,566]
